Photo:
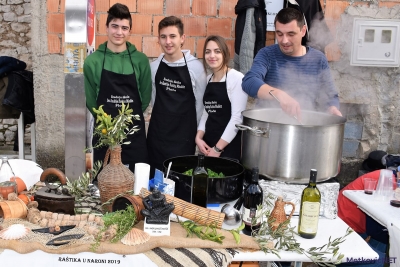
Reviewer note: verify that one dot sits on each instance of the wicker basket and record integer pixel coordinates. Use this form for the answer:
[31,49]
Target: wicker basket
[114,178]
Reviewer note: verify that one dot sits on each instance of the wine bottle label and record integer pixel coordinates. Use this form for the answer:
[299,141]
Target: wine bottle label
[309,217]
[249,214]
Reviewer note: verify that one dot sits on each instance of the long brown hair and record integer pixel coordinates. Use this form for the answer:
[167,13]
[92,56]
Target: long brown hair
[222,46]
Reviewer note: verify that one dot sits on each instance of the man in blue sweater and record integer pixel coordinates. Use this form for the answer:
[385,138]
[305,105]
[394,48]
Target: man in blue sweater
[298,76]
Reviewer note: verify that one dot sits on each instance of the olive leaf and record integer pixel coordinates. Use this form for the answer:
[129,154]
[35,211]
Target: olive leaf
[208,232]
[236,233]
[284,238]
[113,131]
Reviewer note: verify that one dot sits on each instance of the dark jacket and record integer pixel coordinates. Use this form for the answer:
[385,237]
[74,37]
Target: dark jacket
[318,35]
[260,19]
[8,64]
[19,94]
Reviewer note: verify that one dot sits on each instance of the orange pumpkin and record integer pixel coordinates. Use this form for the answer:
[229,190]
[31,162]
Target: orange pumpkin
[21,186]
[24,198]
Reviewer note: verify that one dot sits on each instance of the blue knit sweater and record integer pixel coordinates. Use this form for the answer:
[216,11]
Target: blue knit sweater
[306,78]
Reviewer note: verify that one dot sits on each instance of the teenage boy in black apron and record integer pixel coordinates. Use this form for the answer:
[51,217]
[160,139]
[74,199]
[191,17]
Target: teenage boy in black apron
[179,82]
[118,72]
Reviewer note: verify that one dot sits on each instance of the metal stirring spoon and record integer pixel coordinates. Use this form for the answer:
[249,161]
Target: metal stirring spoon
[270,92]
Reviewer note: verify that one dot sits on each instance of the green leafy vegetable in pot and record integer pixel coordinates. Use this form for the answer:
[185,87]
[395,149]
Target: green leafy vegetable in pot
[211,173]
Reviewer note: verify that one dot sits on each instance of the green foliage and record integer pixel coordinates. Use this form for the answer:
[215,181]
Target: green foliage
[284,238]
[124,220]
[211,173]
[113,131]
[79,187]
[208,232]
[236,233]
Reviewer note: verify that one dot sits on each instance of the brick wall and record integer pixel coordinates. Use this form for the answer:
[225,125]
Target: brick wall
[201,18]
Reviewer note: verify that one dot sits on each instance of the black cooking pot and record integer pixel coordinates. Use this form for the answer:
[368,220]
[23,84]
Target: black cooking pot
[220,190]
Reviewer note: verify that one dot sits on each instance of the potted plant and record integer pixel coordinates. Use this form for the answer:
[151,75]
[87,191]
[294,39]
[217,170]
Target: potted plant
[114,178]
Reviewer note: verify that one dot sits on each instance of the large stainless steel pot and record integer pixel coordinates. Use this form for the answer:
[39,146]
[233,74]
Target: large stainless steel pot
[285,151]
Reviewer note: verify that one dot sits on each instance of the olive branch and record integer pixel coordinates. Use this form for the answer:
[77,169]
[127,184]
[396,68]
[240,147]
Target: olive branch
[283,238]
[113,131]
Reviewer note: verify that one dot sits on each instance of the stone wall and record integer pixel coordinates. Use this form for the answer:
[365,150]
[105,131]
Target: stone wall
[15,30]
[15,41]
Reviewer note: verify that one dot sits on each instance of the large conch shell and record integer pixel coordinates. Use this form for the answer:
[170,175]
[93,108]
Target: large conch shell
[15,231]
[135,237]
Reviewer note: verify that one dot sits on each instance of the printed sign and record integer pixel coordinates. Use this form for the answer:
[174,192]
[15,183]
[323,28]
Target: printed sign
[272,7]
[90,21]
[74,55]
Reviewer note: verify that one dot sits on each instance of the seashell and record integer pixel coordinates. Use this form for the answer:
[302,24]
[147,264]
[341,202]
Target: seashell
[15,231]
[135,237]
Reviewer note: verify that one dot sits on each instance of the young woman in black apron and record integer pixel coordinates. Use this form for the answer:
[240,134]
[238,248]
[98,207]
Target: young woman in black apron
[116,84]
[173,121]
[223,101]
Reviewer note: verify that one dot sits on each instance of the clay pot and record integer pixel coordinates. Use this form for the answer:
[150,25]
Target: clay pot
[7,188]
[13,209]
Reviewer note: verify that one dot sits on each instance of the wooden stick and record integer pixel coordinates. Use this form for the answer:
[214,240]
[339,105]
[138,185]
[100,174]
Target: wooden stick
[190,211]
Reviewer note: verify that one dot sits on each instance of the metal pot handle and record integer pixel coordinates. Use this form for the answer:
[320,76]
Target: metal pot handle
[255,130]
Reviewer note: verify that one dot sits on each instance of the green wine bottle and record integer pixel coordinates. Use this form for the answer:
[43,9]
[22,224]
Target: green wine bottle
[309,208]
[200,183]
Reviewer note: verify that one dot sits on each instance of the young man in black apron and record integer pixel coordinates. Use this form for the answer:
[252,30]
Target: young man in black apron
[179,82]
[116,72]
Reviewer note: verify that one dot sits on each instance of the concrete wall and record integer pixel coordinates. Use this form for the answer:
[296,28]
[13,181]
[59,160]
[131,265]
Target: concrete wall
[49,93]
[369,95]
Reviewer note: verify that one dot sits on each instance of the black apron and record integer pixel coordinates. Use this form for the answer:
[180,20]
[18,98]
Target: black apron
[114,84]
[219,109]
[173,123]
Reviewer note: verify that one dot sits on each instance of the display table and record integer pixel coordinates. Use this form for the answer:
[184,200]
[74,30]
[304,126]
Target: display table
[354,247]
[383,213]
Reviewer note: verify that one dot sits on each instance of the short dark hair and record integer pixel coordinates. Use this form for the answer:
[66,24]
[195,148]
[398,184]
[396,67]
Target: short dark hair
[119,11]
[171,21]
[287,15]
[222,46]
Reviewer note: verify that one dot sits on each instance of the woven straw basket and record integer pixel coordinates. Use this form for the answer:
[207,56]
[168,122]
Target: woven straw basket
[114,178]
[13,209]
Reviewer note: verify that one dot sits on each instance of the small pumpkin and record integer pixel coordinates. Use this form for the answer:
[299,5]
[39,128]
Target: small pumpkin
[21,186]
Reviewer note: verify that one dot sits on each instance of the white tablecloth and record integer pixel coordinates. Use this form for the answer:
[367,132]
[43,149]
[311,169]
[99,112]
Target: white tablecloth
[353,248]
[385,214]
